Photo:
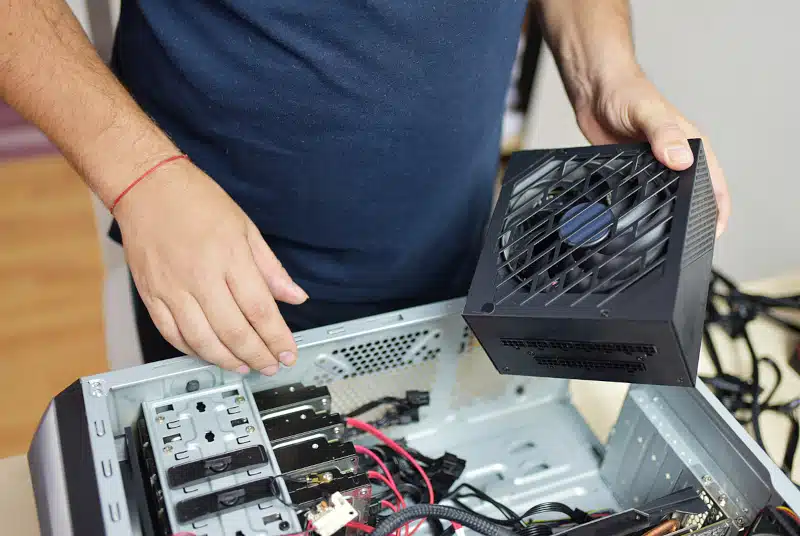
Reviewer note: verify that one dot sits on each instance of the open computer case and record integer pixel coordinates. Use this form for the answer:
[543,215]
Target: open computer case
[113,452]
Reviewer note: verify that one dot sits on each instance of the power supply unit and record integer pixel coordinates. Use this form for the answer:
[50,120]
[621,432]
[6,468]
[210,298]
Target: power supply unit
[182,447]
[596,266]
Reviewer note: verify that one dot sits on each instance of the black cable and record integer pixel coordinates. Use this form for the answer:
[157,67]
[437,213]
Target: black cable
[755,406]
[374,404]
[574,515]
[778,379]
[502,508]
[791,446]
[447,513]
[712,350]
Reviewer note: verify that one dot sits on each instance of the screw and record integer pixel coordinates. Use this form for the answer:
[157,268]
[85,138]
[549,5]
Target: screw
[324,401]
[363,492]
[605,313]
[739,521]
[250,429]
[239,400]
[168,449]
[336,430]
[160,419]
[192,386]
[506,369]
[722,500]
[707,479]
[284,525]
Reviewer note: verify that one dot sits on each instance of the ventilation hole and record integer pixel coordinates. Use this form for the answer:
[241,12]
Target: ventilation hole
[200,407]
[209,436]
[239,533]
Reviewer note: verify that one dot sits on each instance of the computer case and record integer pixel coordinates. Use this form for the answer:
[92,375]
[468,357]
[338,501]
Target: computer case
[523,439]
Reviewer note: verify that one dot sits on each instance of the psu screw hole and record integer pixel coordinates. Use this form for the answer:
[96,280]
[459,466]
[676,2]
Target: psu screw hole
[284,525]
[605,313]
[487,308]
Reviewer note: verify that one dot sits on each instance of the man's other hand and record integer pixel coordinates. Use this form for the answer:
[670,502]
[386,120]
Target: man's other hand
[206,275]
[627,108]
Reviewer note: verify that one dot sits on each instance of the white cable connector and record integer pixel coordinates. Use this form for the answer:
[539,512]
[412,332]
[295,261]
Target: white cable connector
[329,517]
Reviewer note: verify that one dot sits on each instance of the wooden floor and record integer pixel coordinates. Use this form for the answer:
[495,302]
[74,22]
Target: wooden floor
[51,324]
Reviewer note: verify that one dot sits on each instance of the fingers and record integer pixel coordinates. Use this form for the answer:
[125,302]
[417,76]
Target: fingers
[667,133]
[165,322]
[280,284]
[720,189]
[252,296]
[201,338]
[667,139]
[234,330]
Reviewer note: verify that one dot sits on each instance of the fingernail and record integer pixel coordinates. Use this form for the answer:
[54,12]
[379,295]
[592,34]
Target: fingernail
[299,291]
[679,155]
[243,369]
[270,370]
[287,358]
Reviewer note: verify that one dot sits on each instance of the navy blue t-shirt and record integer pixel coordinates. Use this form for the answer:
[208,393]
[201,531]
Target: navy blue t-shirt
[361,136]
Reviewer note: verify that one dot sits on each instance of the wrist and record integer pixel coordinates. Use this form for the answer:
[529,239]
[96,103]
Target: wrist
[122,162]
[586,79]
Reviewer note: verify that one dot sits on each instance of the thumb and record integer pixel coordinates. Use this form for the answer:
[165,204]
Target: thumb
[280,283]
[661,128]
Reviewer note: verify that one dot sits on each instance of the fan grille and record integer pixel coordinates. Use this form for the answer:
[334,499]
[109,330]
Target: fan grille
[582,226]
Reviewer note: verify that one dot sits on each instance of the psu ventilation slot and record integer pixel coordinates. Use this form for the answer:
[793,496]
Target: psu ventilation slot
[552,347]
[630,367]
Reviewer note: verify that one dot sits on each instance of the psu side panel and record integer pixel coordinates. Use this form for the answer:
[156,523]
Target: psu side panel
[690,310]
[694,270]
[601,350]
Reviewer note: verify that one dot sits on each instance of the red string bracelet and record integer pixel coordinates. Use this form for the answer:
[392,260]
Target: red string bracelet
[142,176]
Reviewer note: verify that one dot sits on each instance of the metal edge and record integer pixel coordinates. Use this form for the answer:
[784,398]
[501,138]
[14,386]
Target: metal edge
[782,485]
[46,466]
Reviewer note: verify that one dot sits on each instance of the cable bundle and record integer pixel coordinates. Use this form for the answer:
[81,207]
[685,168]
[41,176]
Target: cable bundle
[744,394]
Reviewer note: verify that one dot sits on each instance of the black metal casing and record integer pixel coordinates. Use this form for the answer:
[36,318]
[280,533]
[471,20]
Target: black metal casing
[646,328]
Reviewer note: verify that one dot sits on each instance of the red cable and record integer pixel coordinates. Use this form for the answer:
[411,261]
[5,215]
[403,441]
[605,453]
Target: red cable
[360,449]
[376,475]
[142,176]
[360,526]
[368,428]
[364,427]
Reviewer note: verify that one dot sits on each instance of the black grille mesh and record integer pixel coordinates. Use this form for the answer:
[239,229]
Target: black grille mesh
[631,367]
[702,215]
[576,227]
[583,346]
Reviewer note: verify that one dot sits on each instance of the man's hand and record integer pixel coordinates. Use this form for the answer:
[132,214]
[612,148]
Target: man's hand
[628,107]
[614,102]
[205,273]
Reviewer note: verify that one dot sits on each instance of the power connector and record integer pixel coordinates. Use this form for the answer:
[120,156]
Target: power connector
[328,517]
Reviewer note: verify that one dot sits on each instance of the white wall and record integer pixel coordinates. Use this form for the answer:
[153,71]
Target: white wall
[732,67]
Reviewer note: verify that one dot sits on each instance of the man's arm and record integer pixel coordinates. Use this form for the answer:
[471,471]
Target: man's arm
[590,40]
[613,100]
[204,271]
[52,75]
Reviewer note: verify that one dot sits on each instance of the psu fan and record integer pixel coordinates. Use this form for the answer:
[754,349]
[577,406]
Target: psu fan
[596,265]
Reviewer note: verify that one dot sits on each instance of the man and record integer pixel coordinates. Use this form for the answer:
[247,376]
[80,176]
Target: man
[356,142]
